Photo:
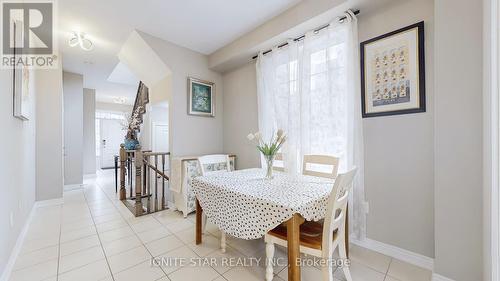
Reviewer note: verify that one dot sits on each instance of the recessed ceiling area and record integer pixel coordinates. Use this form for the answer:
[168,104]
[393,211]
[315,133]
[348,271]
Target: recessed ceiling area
[200,25]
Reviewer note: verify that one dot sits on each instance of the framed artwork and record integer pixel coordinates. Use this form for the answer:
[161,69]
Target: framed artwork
[20,83]
[393,73]
[201,97]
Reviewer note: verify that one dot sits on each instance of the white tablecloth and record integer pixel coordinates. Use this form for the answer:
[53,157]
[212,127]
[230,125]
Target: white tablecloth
[245,205]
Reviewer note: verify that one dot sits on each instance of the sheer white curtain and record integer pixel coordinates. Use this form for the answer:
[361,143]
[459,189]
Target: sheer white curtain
[311,89]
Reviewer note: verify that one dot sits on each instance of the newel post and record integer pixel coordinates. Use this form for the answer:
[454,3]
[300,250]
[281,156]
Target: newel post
[138,181]
[123,156]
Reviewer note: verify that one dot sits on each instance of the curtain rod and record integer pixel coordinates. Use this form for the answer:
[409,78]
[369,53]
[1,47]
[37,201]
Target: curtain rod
[302,36]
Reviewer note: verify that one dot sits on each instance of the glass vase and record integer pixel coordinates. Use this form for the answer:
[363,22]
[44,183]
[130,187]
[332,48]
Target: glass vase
[269,163]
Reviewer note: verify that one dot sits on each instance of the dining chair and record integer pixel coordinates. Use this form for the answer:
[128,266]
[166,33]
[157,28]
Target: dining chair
[310,164]
[279,157]
[207,160]
[319,240]
[205,163]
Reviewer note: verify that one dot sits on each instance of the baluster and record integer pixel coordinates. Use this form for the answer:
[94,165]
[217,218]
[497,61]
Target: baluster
[138,196]
[145,178]
[148,191]
[163,182]
[123,192]
[116,159]
[156,184]
[129,169]
[144,187]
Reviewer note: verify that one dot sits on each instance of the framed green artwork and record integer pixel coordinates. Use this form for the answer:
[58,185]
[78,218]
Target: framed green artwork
[201,97]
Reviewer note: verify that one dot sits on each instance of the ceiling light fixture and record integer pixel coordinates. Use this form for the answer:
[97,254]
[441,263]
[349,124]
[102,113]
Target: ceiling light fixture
[79,39]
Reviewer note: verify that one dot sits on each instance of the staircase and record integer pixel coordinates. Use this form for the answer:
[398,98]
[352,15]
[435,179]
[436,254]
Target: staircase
[142,173]
[138,111]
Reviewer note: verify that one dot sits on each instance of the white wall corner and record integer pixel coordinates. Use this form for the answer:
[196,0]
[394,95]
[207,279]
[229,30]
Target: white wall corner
[396,252]
[437,277]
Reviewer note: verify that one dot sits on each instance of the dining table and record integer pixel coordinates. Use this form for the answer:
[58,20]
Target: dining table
[246,205]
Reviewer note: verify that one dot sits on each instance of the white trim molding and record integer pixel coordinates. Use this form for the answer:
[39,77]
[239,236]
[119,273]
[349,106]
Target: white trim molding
[17,248]
[20,239]
[437,277]
[396,252]
[90,176]
[491,135]
[70,187]
[50,202]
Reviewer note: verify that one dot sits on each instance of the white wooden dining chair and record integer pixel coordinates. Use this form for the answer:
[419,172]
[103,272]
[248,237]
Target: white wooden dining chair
[329,166]
[320,240]
[279,158]
[204,162]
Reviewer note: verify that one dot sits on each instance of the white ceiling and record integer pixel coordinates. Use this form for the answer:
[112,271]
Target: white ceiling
[200,25]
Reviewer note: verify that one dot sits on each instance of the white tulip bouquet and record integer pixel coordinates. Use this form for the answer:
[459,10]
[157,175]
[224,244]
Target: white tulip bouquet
[269,149]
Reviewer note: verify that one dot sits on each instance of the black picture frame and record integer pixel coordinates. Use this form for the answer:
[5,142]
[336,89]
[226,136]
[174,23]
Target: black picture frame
[421,72]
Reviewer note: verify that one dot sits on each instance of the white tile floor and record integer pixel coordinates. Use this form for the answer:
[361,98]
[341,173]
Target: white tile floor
[92,236]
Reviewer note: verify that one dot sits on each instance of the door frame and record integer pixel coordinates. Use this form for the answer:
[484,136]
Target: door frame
[491,134]
[101,166]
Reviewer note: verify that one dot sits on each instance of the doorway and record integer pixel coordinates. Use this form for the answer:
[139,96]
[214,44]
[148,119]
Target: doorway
[159,137]
[110,133]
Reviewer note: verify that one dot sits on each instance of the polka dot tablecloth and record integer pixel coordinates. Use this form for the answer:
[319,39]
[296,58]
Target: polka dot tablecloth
[246,205]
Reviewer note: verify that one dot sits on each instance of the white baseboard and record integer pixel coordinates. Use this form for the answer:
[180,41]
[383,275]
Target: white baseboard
[70,187]
[396,252]
[17,247]
[20,239]
[437,277]
[50,202]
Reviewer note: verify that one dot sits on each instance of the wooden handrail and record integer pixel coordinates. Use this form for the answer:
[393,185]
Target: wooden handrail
[156,170]
[156,153]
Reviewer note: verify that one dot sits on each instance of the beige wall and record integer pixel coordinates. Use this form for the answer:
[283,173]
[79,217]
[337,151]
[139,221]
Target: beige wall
[399,152]
[89,145]
[458,139]
[73,128]
[17,169]
[398,149]
[240,115]
[32,166]
[49,135]
[186,131]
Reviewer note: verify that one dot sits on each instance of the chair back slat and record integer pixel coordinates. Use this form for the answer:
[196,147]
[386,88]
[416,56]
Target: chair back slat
[320,166]
[337,209]
[213,159]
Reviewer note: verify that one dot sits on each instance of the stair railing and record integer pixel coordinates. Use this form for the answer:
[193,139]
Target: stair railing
[147,180]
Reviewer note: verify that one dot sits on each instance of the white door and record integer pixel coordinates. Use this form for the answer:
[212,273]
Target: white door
[160,137]
[112,135]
